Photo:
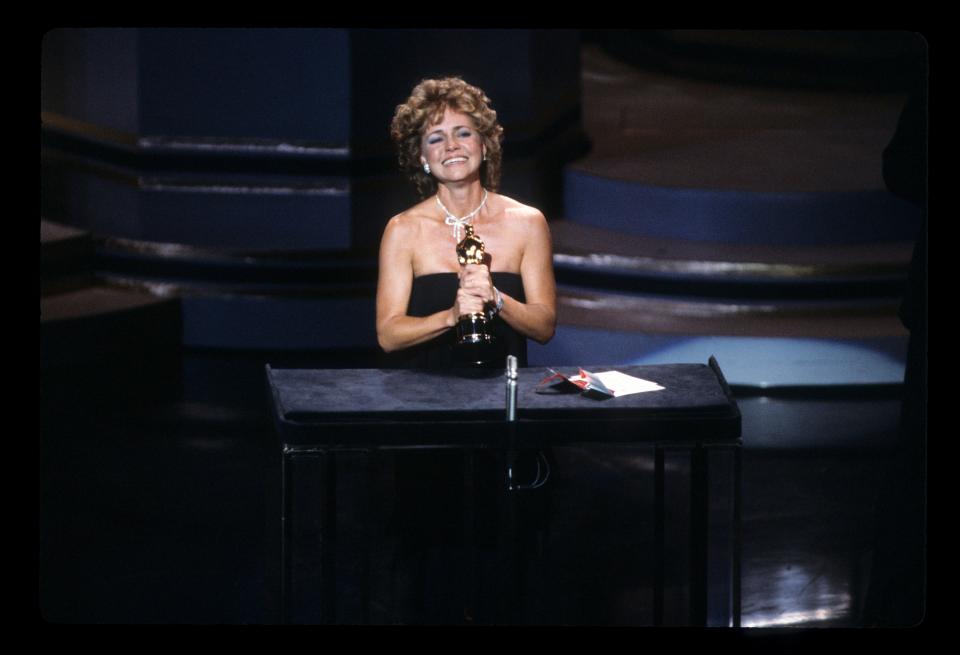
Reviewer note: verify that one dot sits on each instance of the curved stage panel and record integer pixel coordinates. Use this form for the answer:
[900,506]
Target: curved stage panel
[214,210]
[729,216]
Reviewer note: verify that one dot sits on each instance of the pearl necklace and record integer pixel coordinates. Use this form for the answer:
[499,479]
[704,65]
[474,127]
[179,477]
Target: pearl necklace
[458,223]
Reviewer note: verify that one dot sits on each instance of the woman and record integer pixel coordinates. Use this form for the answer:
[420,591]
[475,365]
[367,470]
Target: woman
[449,143]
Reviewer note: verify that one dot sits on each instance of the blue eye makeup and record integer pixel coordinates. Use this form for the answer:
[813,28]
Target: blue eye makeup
[462,133]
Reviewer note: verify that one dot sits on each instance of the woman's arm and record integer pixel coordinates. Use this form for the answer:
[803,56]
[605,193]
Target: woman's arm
[396,330]
[537,317]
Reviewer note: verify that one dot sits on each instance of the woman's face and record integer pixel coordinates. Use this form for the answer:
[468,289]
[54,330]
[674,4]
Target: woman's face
[453,148]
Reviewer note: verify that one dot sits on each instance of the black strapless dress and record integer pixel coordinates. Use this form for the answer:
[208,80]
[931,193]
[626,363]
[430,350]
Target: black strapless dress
[429,483]
[429,501]
[436,292]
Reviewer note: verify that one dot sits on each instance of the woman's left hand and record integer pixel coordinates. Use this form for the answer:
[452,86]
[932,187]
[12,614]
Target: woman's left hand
[476,280]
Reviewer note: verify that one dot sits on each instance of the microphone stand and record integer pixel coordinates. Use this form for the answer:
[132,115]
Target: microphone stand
[511,402]
[512,542]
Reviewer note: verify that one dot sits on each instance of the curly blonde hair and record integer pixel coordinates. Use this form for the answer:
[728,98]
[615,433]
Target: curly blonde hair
[425,107]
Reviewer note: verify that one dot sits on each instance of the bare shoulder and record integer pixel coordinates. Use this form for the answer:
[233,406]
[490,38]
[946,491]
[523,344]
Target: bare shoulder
[524,216]
[407,224]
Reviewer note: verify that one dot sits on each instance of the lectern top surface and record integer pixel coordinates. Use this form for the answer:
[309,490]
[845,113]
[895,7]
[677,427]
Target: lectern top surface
[351,394]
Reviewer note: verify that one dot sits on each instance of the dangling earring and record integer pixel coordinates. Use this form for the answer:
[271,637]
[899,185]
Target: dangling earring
[426,168]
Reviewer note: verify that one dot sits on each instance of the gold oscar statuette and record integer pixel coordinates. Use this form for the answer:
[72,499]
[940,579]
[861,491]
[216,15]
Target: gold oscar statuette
[474,340]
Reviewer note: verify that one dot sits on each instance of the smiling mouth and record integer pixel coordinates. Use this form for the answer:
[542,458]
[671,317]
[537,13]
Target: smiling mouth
[455,160]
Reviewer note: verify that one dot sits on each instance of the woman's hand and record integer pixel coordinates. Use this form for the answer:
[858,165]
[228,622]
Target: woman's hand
[466,303]
[475,291]
[476,280]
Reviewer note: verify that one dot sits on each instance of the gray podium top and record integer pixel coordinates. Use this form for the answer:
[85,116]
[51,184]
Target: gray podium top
[308,403]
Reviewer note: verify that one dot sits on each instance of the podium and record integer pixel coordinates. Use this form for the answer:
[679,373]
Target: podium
[321,415]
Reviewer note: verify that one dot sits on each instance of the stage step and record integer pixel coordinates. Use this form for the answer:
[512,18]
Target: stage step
[63,249]
[801,317]
[657,314]
[84,320]
[601,258]
[244,300]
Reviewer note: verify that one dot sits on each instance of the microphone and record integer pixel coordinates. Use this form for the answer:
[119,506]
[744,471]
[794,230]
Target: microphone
[510,378]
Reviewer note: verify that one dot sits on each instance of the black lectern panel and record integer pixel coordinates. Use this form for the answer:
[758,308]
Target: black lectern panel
[320,413]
